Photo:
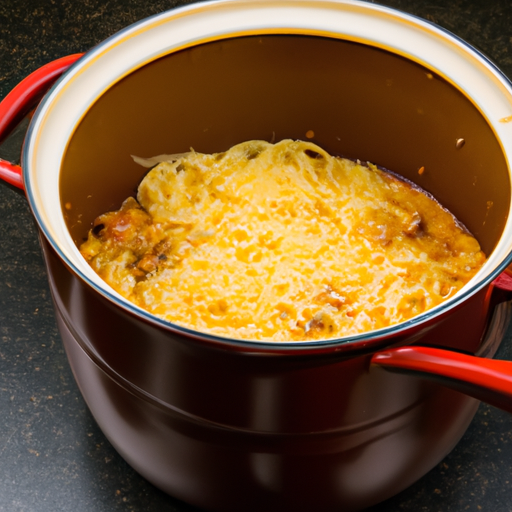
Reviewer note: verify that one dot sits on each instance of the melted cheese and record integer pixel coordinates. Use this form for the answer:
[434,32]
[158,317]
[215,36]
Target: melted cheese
[281,242]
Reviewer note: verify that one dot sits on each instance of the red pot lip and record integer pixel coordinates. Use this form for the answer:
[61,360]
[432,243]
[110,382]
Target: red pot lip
[363,341]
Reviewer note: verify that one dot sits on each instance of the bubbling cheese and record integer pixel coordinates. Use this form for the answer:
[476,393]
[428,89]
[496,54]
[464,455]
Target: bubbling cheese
[281,242]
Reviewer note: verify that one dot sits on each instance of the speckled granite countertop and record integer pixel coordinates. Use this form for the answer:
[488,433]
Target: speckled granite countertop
[53,457]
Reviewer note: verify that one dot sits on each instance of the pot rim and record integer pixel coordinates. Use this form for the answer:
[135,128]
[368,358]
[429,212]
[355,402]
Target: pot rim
[460,64]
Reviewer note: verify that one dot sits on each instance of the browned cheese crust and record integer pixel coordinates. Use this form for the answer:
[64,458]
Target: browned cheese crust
[281,242]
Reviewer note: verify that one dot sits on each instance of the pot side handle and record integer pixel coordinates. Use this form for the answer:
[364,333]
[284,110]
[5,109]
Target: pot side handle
[21,100]
[488,380]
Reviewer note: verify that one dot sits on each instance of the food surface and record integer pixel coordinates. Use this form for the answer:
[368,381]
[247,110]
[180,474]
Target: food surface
[280,242]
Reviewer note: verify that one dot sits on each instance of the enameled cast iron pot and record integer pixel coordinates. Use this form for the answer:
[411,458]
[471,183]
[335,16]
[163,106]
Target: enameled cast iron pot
[239,425]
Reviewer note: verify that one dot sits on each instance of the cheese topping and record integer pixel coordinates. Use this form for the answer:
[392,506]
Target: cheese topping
[281,242]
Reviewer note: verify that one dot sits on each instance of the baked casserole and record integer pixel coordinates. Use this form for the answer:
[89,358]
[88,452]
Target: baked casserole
[281,242]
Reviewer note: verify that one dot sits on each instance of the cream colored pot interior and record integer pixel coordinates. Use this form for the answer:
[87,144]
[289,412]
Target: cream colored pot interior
[371,83]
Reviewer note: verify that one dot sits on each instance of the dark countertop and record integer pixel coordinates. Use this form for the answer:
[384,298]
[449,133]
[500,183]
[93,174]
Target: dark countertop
[53,457]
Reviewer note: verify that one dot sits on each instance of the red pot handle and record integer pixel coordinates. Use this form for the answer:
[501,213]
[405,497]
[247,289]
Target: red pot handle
[488,380]
[504,283]
[21,100]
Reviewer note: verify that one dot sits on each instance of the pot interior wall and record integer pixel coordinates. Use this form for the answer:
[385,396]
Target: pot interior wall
[360,102]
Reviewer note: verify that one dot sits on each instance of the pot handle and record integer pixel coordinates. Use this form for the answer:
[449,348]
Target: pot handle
[21,100]
[503,285]
[489,380]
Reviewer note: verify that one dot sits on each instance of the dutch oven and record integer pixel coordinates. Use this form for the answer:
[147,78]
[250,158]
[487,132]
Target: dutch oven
[228,424]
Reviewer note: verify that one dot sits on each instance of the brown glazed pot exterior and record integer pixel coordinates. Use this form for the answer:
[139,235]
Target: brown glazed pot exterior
[229,431]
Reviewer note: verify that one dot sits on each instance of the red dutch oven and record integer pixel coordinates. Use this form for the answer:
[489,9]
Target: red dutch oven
[227,424]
